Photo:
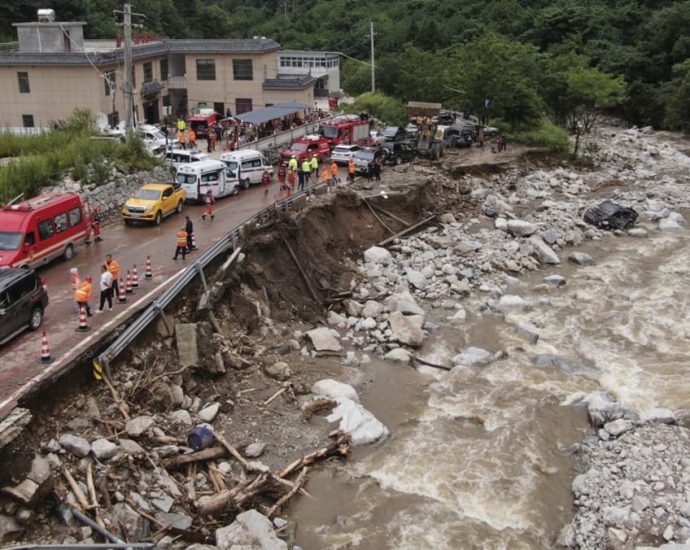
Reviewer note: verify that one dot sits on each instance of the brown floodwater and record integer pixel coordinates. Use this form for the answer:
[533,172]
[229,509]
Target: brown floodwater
[480,458]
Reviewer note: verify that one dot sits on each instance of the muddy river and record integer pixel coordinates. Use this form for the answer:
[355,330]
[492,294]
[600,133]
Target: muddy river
[482,458]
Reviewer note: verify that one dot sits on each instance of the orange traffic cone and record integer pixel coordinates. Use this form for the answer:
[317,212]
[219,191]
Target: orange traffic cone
[135,277]
[128,287]
[121,298]
[45,351]
[193,243]
[148,274]
[83,327]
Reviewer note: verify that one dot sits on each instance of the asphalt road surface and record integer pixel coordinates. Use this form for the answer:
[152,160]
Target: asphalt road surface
[129,245]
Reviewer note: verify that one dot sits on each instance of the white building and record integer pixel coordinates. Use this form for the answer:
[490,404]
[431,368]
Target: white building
[324,66]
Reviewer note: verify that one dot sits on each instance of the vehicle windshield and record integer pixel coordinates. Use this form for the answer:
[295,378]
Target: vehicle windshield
[148,194]
[156,135]
[10,241]
[199,125]
[364,155]
[339,149]
[186,178]
[299,147]
[329,132]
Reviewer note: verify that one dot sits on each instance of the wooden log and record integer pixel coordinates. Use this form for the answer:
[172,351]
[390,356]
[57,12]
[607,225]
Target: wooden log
[430,364]
[206,454]
[378,217]
[407,230]
[218,502]
[78,493]
[302,273]
[282,500]
[389,214]
[276,394]
[214,321]
[340,447]
[316,405]
[93,495]
[121,405]
[234,452]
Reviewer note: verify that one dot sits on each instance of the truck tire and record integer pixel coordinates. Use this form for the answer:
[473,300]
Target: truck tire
[159,218]
[68,254]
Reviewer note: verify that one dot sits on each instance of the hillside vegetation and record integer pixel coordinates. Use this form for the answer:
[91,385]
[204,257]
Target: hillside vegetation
[529,57]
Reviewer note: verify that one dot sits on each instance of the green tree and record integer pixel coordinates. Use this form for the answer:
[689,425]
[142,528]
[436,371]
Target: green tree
[380,106]
[677,116]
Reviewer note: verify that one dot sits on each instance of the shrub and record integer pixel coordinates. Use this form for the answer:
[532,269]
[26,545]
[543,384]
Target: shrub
[543,134]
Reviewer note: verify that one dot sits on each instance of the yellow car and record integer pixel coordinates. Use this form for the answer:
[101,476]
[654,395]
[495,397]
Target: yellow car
[153,202]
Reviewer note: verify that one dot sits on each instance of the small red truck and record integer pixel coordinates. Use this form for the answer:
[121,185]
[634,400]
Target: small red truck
[304,148]
[203,121]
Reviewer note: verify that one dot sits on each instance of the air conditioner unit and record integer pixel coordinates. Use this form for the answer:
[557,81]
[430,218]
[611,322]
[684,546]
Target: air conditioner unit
[46,15]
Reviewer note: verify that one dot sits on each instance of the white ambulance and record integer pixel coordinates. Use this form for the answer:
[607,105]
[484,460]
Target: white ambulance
[249,164]
[198,177]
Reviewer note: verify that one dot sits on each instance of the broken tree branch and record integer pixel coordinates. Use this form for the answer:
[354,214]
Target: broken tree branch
[234,452]
[378,218]
[207,454]
[340,447]
[287,496]
[78,493]
[306,280]
[430,364]
[407,230]
[121,405]
[389,214]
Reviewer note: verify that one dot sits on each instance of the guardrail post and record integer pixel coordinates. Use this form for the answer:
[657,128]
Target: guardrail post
[200,271]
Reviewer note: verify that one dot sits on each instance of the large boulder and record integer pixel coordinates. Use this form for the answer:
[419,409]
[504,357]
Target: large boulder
[543,252]
[76,445]
[363,427]
[251,530]
[609,215]
[472,357]
[377,255]
[405,330]
[404,303]
[521,228]
[333,389]
[324,339]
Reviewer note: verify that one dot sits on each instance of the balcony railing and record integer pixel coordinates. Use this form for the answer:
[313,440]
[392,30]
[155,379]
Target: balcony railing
[177,82]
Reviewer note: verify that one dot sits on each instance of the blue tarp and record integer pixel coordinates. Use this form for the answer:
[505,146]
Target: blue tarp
[271,113]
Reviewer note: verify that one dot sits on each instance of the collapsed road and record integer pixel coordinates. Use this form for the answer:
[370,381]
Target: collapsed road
[515,389]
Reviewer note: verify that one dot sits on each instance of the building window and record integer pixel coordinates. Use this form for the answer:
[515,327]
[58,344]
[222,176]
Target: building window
[23,83]
[148,72]
[28,121]
[243,105]
[205,69]
[164,68]
[109,79]
[242,69]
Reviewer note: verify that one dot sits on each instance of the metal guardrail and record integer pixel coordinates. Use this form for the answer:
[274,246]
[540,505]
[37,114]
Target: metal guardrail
[231,240]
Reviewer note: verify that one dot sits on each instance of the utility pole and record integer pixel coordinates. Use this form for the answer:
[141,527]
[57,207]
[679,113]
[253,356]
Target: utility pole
[128,88]
[127,24]
[373,67]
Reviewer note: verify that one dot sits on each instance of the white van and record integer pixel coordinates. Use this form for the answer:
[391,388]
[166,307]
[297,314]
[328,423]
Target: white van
[184,156]
[249,164]
[197,178]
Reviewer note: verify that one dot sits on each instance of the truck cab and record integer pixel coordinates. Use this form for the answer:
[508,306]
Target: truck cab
[304,148]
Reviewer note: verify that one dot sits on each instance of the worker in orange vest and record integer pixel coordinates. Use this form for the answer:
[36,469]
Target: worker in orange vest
[114,268]
[83,295]
[192,138]
[334,172]
[291,178]
[326,178]
[266,181]
[351,170]
[180,138]
[74,280]
[181,244]
[208,201]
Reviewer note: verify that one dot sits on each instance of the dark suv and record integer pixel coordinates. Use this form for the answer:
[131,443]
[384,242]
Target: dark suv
[22,302]
[399,152]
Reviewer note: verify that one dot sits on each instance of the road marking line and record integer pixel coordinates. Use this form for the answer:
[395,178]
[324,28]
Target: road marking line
[74,351]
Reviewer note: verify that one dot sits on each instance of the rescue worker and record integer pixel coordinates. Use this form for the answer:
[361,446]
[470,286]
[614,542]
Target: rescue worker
[300,179]
[181,125]
[192,138]
[334,172]
[114,268]
[314,166]
[208,201]
[351,170]
[189,228]
[74,280]
[96,223]
[290,182]
[106,286]
[213,138]
[83,295]
[377,170]
[306,168]
[266,181]
[181,244]
[292,165]
[181,139]
[326,178]
[282,173]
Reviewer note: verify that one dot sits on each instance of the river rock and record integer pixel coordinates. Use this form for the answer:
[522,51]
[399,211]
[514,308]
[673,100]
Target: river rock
[324,339]
[472,357]
[399,355]
[543,252]
[131,523]
[104,449]
[521,228]
[580,258]
[602,408]
[279,371]
[9,529]
[555,280]
[131,448]
[254,450]
[501,224]
[76,445]
[510,302]
[207,414]
[416,278]
[618,427]
[364,428]
[250,530]
[637,232]
[404,303]
[181,416]
[336,319]
[372,309]
[669,224]
[353,308]
[378,255]
[137,426]
[333,389]
[658,414]
[404,330]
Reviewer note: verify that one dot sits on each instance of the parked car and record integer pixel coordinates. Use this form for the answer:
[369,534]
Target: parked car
[342,154]
[458,136]
[411,131]
[399,152]
[41,229]
[394,133]
[368,155]
[376,137]
[23,299]
[153,202]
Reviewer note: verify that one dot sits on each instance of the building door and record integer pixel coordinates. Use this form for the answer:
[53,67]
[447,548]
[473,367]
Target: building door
[219,107]
[151,112]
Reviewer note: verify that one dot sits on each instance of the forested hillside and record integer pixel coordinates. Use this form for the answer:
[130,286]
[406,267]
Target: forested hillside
[526,56]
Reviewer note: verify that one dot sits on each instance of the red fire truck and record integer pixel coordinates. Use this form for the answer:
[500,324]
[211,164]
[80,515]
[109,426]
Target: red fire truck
[202,122]
[346,130]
